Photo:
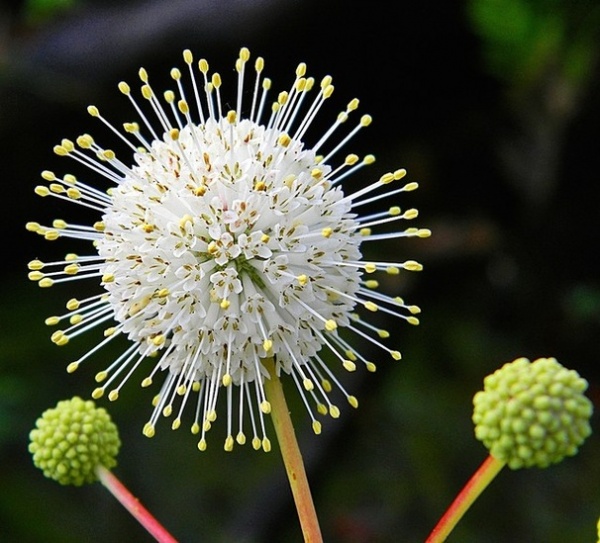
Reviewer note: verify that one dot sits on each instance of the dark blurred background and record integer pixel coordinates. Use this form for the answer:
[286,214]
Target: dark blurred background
[491,105]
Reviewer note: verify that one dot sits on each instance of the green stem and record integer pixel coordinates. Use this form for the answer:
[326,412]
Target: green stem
[292,457]
[467,496]
[132,504]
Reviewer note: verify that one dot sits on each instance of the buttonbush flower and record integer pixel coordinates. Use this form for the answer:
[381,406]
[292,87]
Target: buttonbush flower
[225,240]
[70,441]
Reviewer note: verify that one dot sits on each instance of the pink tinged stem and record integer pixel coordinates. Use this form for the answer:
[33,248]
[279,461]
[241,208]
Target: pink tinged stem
[467,496]
[132,504]
[292,457]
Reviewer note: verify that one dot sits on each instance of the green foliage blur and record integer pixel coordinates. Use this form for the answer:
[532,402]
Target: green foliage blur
[491,105]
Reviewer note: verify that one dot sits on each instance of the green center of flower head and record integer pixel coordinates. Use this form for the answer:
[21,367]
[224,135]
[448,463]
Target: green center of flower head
[72,439]
[532,413]
[226,239]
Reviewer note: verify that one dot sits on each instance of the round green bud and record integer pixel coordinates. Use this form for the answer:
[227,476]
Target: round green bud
[72,439]
[532,413]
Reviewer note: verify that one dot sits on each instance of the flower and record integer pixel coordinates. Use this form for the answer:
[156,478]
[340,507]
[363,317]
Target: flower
[224,241]
[532,413]
[72,439]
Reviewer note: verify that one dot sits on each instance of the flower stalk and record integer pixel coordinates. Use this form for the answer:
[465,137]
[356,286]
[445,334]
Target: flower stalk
[133,505]
[478,482]
[292,458]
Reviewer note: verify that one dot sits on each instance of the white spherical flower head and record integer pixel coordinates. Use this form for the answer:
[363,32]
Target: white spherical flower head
[226,241]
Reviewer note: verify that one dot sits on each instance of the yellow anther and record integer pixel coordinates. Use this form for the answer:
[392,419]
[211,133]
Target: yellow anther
[370,267]
[396,355]
[316,426]
[75,319]
[330,325]
[72,367]
[188,57]
[202,445]
[342,117]
[259,64]
[203,65]
[351,356]
[200,190]
[73,193]
[195,428]
[48,175]
[226,380]
[308,384]
[244,54]
[181,390]
[228,447]
[327,232]
[57,188]
[146,382]
[98,393]
[113,395]
[265,407]
[163,293]
[265,238]
[267,345]
[107,155]
[131,127]
[386,178]
[46,282]
[316,173]
[159,340]
[52,321]
[240,438]
[350,160]
[326,81]
[176,424]
[322,409]
[108,278]
[410,214]
[35,275]
[353,104]
[414,309]
[334,412]
[73,304]
[371,367]
[41,190]
[392,270]
[71,269]
[412,265]
[216,80]
[183,106]
[60,150]
[110,331]
[383,334]
[349,365]
[59,223]
[423,233]
[51,235]
[231,117]
[410,186]
[146,92]
[225,303]
[68,145]
[93,111]
[175,74]
[366,120]
[85,141]
[328,91]
[302,279]
[372,284]
[393,211]
[167,411]
[32,226]
[399,174]
[412,320]
[326,384]
[371,306]
[35,265]
[365,231]
[284,140]
[256,443]
[353,401]
[101,376]
[148,430]
[174,134]
[266,84]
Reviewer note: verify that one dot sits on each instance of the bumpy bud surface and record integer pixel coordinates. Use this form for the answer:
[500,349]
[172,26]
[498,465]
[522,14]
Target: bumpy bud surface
[532,413]
[70,440]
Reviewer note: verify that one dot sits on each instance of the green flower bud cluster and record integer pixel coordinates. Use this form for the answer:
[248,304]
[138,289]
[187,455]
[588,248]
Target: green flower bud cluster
[532,413]
[72,439]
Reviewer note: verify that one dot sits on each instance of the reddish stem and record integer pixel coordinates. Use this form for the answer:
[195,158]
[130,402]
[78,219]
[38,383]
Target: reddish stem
[470,492]
[132,504]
